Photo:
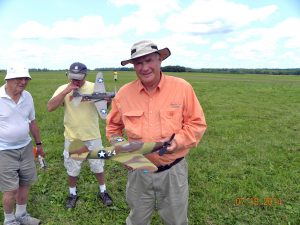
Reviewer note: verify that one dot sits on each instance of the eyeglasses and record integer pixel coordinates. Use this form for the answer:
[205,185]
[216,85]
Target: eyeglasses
[22,78]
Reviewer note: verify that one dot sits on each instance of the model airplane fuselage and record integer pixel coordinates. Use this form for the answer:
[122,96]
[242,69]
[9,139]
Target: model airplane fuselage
[130,154]
[96,96]
[100,97]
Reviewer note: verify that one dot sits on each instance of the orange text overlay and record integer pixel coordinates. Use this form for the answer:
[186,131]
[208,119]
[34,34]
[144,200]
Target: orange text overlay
[253,201]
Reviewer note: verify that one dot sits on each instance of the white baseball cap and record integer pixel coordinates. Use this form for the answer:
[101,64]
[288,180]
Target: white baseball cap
[17,71]
[146,47]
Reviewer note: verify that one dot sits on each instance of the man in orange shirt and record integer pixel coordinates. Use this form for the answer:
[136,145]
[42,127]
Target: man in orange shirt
[152,108]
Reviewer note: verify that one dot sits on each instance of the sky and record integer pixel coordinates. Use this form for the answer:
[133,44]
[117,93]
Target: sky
[200,33]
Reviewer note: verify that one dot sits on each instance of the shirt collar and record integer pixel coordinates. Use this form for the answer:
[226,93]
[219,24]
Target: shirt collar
[162,81]
[3,93]
[159,86]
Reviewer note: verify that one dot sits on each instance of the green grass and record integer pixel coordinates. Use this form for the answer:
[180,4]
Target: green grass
[251,150]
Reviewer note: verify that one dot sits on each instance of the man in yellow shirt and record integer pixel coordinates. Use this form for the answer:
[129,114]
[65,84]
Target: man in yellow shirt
[152,108]
[80,122]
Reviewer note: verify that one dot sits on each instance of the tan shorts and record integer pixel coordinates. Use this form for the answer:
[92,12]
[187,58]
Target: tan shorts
[17,168]
[73,167]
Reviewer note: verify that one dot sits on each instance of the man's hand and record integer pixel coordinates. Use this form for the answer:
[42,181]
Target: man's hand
[40,151]
[167,146]
[173,147]
[70,87]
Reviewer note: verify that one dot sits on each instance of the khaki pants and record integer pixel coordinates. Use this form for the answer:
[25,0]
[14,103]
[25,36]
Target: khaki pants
[166,192]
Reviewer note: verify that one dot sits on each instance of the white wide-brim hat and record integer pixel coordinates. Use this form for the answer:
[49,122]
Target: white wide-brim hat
[143,48]
[17,71]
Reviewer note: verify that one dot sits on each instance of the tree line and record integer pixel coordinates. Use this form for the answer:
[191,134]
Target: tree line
[293,71]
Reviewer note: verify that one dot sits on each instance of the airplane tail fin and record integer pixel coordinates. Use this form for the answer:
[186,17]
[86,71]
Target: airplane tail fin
[76,101]
[76,98]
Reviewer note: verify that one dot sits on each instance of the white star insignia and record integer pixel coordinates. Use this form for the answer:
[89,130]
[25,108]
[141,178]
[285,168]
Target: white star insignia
[100,80]
[119,139]
[101,154]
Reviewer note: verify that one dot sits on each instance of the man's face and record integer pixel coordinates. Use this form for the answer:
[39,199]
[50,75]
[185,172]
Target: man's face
[17,85]
[78,83]
[147,69]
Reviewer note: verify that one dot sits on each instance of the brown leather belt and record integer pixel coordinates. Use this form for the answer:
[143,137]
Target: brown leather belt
[166,167]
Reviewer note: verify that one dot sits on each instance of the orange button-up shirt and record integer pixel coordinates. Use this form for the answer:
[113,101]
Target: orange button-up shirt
[172,108]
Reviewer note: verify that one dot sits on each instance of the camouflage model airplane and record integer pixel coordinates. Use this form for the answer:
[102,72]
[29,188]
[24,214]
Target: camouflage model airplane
[130,154]
[99,96]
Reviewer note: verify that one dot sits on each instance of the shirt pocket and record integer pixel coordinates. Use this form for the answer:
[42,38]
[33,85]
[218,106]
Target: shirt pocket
[133,121]
[171,121]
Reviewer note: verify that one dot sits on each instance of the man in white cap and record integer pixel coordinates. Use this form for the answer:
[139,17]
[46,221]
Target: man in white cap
[17,165]
[80,122]
[152,108]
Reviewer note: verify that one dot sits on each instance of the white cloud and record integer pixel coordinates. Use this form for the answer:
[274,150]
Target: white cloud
[293,43]
[184,48]
[85,27]
[154,7]
[268,44]
[219,45]
[105,53]
[206,33]
[31,29]
[141,24]
[23,52]
[292,57]
[146,19]
[204,17]
[254,49]
[287,28]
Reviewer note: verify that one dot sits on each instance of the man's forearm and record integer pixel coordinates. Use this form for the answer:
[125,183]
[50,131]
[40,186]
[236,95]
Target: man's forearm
[56,101]
[34,130]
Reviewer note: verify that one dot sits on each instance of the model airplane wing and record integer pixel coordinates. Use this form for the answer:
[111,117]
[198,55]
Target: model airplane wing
[130,154]
[100,88]
[99,83]
[101,107]
[99,96]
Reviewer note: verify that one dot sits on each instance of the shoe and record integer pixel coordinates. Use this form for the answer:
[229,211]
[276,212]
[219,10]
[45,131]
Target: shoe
[71,201]
[26,219]
[105,198]
[12,222]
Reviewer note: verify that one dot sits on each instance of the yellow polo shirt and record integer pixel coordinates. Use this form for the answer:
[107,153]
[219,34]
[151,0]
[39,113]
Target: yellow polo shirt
[82,121]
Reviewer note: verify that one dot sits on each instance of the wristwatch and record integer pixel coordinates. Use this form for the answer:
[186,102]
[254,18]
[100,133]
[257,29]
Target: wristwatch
[38,143]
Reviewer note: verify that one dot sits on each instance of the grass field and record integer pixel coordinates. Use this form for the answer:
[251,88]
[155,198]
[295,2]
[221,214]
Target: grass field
[246,169]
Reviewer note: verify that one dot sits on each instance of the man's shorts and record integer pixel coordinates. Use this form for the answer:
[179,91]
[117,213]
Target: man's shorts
[17,168]
[73,166]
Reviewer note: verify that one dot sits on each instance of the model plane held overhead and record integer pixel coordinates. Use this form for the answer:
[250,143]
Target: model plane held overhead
[100,97]
[130,154]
